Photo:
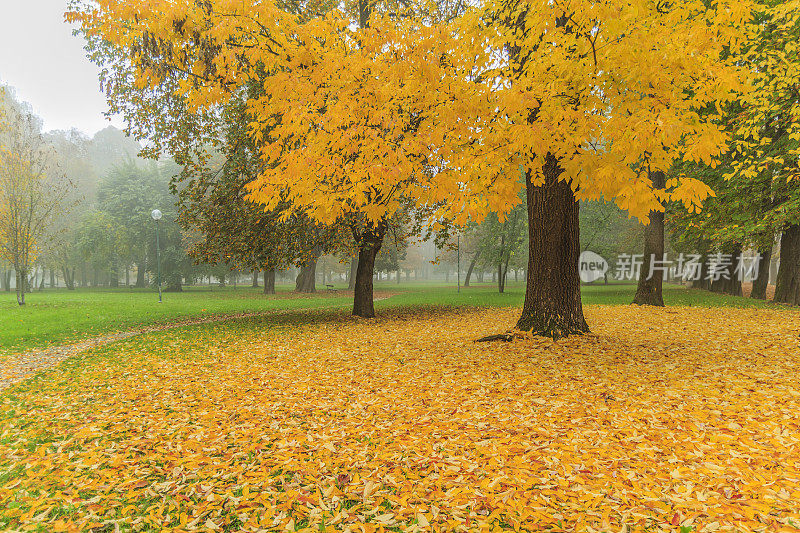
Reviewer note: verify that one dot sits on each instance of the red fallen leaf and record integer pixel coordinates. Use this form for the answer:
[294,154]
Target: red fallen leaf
[676,519]
[343,479]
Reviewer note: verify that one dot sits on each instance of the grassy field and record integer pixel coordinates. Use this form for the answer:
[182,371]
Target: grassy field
[59,316]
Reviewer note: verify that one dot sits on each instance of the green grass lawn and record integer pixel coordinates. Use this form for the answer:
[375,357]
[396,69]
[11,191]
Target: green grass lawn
[59,316]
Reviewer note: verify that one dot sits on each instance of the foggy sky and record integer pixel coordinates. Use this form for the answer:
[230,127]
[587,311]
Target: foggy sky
[47,66]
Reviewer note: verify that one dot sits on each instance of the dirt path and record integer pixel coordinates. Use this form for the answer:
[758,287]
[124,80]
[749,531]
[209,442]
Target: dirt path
[16,367]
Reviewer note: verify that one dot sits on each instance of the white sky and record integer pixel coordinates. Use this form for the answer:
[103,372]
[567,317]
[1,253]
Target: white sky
[47,66]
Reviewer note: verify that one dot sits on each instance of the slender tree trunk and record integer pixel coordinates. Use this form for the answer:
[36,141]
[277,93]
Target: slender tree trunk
[733,285]
[552,306]
[398,276]
[255,278]
[269,281]
[728,281]
[501,281]
[5,280]
[307,278]
[787,286]
[114,276]
[141,267]
[351,281]
[369,246]
[41,281]
[649,290]
[22,279]
[761,282]
[69,278]
[702,282]
[471,267]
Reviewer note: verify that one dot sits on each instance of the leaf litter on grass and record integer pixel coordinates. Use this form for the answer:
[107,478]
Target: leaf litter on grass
[661,420]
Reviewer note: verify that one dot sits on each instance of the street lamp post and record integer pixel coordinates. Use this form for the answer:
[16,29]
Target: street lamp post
[156,215]
[458,263]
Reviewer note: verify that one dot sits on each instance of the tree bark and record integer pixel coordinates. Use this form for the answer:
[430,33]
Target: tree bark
[141,267]
[351,281]
[52,278]
[787,286]
[471,268]
[368,248]
[733,285]
[702,282]
[22,279]
[649,289]
[255,278]
[5,280]
[69,278]
[761,282]
[729,282]
[114,276]
[552,306]
[269,281]
[307,278]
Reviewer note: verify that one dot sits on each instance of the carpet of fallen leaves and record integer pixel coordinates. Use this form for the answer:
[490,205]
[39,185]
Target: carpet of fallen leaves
[681,419]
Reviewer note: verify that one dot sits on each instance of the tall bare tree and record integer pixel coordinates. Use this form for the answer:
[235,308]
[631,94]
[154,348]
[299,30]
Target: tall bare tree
[31,189]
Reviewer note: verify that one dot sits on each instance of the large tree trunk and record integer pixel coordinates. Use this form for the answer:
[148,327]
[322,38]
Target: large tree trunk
[762,279]
[269,281]
[255,279]
[471,268]
[552,306]
[787,286]
[651,278]
[368,248]
[307,278]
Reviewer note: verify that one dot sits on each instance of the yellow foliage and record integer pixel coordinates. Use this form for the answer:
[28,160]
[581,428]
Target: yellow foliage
[435,110]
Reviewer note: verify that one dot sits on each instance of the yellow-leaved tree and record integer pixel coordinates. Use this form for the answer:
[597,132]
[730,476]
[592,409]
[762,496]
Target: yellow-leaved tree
[370,107]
